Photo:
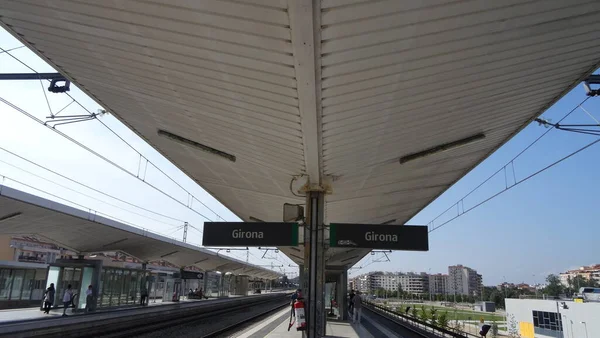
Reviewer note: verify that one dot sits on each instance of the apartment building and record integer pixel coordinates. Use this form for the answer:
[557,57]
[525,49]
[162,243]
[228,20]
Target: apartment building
[414,283]
[438,284]
[463,280]
[587,272]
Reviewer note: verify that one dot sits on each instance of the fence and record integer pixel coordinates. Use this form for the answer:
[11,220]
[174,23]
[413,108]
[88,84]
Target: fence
[415,322]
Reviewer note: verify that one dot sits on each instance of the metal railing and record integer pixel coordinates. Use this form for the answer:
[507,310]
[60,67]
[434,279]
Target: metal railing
[416,322]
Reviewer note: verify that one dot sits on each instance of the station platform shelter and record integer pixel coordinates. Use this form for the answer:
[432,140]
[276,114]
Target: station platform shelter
[87,235]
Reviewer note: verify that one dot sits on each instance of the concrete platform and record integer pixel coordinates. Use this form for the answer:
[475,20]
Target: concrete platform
[276,326]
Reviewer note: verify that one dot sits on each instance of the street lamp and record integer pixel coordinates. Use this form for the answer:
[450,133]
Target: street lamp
[585,325]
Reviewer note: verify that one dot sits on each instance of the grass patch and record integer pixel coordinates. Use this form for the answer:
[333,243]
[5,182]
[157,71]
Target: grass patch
[459,314]
[474,316]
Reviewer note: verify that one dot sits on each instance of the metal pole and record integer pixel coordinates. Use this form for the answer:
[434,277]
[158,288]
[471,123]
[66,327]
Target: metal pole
[314,256]
[586,330]
[559,316]
[185,228]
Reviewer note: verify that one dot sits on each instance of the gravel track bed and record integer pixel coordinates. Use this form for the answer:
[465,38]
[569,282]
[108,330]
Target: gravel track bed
[206,327]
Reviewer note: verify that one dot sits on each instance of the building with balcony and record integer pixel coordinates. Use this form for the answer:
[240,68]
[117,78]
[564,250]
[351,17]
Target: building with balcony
[463,280]
[438,284]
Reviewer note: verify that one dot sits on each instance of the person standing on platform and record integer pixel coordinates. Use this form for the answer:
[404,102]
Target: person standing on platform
[144,296]
[67,299]
[357,308]
[351,302]
[89,299]
[294,298]
[49,298]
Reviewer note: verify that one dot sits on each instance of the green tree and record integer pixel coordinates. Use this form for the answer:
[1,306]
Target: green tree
[433,315]
[380,292]
[442,320]
[512,327]
[580,281]
[423,314]
[414,311]
[494,329]
[554,287]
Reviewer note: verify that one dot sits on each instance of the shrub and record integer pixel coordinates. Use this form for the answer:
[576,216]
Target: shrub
[442,320]
[423,315]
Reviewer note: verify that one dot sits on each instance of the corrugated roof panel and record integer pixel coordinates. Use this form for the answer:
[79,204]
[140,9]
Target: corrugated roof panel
[391,78]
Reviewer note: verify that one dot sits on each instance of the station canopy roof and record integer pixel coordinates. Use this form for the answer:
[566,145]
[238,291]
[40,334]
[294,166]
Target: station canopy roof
[85,232]
[333,92]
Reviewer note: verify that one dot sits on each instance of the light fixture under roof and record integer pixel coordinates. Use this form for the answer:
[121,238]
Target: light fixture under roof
[442,147]
[188,142]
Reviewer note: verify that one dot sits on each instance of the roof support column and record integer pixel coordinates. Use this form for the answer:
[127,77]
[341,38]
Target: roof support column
[314,258]
[342,294]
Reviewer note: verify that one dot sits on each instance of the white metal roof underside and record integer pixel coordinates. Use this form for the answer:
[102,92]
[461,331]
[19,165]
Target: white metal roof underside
[86,232]
[334,90]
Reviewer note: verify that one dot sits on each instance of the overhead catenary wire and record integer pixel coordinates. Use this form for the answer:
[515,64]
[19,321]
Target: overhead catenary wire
[11,49]
[145,158]
[90,210]
[89,187]
[464,211]
[86,195]
[123,140]
[22,111]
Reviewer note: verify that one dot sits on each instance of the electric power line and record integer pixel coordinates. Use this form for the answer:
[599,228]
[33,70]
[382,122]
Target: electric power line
[90,210]
[516,182]
[22,111]
[86,195]
[89,187]
[499,170]
[121,138]
[11,49]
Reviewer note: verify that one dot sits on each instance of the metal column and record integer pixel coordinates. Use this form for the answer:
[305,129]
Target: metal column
[342,294]
[314,258]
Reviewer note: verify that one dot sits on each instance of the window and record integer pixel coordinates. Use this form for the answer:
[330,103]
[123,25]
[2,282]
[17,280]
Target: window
[547,320]
[5,283]
[17,283]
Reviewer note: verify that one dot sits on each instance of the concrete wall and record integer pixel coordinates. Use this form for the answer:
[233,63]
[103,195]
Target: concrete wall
[522,309]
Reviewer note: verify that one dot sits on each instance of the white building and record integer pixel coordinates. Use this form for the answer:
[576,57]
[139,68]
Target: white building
[463,280]
[587,272]
[550,318]
[383,280]
[414,283]
[360,283]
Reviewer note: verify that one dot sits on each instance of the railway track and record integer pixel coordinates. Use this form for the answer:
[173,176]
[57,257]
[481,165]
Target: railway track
[203,319]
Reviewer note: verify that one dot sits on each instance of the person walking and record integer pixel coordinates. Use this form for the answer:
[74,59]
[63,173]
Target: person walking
[67,299]
[49,298]
[357,308]
[89,299]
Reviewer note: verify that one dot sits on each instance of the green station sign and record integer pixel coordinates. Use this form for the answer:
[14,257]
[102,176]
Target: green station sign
[376,236]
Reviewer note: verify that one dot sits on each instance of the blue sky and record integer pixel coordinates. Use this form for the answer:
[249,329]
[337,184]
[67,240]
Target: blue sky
[545,225]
